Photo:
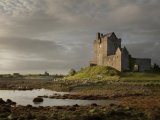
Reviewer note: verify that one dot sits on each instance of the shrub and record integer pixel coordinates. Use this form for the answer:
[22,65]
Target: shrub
[72,72]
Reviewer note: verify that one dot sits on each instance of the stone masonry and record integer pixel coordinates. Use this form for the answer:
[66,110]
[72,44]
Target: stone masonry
[108,52]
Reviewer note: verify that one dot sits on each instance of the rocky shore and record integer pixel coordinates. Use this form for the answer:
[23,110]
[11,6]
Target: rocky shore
[137,100]
[90,112]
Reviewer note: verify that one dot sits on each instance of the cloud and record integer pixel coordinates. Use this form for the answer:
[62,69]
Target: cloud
[49,32]
[33,54]
[36,17]
[145,50]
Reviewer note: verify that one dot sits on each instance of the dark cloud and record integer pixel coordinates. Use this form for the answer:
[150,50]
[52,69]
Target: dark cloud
[28,46]
[145,50]
[58,34]
[33,54]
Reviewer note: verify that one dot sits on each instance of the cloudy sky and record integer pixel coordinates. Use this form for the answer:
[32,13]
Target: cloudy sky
[56,35]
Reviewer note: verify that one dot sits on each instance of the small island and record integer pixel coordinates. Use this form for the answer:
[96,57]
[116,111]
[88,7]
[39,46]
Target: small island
[79,60]
[116,86]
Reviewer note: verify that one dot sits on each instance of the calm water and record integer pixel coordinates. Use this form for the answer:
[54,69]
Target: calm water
[26,97]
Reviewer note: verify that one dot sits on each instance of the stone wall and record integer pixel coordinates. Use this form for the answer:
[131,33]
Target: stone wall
[114,61]
[105,51]
[143,64]
[108,52]
[100,50]
[125,60]
[112,44]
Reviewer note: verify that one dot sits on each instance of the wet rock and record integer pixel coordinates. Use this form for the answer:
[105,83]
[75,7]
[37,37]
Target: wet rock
[2,101]
[10,102]
[29,106]
[5,109]
[37,100]
[76,105]
[41,107]
[94,104]
[59,107]
[45,96]
[72,108]
[112,105]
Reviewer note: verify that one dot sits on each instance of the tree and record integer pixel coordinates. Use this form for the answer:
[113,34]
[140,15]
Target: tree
[72,72]
[46,73]
[156,67]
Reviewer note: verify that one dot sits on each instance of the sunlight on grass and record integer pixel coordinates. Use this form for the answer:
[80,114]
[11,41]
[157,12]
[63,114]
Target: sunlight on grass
[108,73]
[96,73]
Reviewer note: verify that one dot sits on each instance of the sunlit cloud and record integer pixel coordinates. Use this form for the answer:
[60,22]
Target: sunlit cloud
[58,34]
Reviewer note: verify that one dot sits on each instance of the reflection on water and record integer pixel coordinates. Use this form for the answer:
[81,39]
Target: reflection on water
[26,97]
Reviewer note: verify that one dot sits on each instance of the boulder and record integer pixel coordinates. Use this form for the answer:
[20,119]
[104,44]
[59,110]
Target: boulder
[2,101]
[94,104]
[10,102]
[38,99]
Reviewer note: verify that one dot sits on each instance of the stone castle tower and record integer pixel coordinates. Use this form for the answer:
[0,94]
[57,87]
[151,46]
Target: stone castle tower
[108,52]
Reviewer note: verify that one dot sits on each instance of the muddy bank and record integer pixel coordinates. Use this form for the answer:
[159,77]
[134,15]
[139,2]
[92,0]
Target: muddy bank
[138,100]
[145,102]
[90,97]
[76,97]
[33,84]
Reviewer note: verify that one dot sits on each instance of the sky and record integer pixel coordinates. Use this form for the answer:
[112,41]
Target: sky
[57,35]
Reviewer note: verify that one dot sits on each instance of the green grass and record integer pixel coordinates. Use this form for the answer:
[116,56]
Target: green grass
[140,76]
[95,73]
[108,73]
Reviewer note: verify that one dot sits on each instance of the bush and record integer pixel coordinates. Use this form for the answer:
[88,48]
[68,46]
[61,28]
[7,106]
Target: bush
[72,72]
[156,68]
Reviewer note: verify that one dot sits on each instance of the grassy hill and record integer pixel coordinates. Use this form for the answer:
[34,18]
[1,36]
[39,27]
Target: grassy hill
[108,73]
[96,73]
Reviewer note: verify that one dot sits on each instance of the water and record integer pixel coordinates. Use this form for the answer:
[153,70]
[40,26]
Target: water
[26,97]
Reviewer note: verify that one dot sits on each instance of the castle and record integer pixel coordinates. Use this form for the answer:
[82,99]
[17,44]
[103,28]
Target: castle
[108,52]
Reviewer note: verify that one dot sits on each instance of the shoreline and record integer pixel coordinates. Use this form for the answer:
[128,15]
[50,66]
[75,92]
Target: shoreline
[138,100]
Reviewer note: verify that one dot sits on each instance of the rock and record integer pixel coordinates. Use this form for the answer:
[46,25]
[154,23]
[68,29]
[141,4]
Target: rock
[7,109]
[2,101]
[111,105]
[59,107]
[92,110]
[94,104]
[76,105]
[29,106]
[72,108]
[41,107]
[10,102]
[38,99]
[45,96]
[10,117]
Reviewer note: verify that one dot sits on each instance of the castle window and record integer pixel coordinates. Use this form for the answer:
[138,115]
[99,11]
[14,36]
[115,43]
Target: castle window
[100,45]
